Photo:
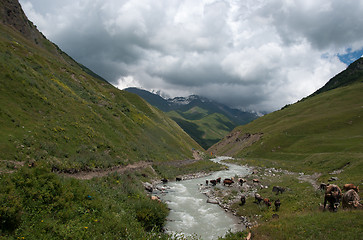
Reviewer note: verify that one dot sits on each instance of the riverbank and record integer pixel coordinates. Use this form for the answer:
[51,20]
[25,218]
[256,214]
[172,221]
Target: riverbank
[229,197]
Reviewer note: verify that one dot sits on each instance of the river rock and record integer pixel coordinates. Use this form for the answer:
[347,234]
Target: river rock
[212,200]
[148,187]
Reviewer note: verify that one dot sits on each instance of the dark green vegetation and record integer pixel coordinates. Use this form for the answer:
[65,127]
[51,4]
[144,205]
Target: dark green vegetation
[38,204]
[204,120]
[321,134]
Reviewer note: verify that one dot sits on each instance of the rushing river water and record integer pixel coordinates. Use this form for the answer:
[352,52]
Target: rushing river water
[190,214]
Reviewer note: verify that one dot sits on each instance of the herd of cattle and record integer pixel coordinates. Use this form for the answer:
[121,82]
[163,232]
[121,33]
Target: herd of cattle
[333,194]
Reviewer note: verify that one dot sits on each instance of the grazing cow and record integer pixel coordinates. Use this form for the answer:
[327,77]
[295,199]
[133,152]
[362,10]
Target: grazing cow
[267,202]
[258,198]
[218,180]
[241,181]
[213,182]
[278,189]
[228,182]
[155,198]
[349,186]
[255,180]
[164,180]
[243,200]
[333,195]
[277,204]
[178,179]
[351,199]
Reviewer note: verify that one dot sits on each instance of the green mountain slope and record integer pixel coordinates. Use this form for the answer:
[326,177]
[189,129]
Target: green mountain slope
[323,133]
[205,128]
[52,108]
[206,121]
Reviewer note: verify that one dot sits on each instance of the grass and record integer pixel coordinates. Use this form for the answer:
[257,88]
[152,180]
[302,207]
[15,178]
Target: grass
[52,109]
[300,215]
[42,205]
[206,129]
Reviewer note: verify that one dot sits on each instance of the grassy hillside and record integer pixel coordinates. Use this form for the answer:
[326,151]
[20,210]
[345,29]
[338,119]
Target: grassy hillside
[52,108]
[205,128]
[321,135]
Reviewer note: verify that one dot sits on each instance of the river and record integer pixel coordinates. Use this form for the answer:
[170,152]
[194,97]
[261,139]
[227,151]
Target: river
[190,214]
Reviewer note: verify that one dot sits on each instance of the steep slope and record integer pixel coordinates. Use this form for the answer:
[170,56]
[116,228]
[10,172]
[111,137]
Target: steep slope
[323,133]
[206,121]
[54,109]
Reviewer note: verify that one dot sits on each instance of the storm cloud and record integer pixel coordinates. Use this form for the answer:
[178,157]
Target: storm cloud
[252,54]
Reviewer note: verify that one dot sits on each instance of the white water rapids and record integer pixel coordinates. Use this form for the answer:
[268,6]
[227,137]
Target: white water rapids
[190,214]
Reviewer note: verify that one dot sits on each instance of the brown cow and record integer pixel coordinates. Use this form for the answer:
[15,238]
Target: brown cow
[228,182]
[218,180]
[255,180]
[333,195]
[349,186]
[267,202]
[351,199]
[258,198]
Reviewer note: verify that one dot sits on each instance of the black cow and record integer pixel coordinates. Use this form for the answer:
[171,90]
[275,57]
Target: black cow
[277,204]
[333,195]
[278,189]
[243,200]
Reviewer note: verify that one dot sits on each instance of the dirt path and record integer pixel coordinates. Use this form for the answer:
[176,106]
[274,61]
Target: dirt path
[104,172]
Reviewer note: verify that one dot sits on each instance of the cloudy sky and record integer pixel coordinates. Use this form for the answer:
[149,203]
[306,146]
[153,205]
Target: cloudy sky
[252,54]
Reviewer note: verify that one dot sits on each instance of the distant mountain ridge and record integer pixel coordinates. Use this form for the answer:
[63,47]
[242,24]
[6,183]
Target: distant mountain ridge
[185,103]
[205,120]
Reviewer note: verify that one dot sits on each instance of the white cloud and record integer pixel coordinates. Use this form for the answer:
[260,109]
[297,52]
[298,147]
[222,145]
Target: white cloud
[252,54]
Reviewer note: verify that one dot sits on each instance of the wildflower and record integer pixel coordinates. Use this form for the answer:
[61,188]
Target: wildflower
[85,227]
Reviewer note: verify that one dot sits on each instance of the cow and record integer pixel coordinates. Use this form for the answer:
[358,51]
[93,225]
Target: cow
[241,181]
[351,199]
[258,198]
[349,186]
[255,180]
[213,182]
[278,189]
[155,198]
[164,180]
[178,179]
[333,195]
[228,182]
[243,200]
[218,180]
[277,204]
[267,202]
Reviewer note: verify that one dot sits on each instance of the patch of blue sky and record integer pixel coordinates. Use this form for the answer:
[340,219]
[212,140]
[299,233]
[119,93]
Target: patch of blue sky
[350,56]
